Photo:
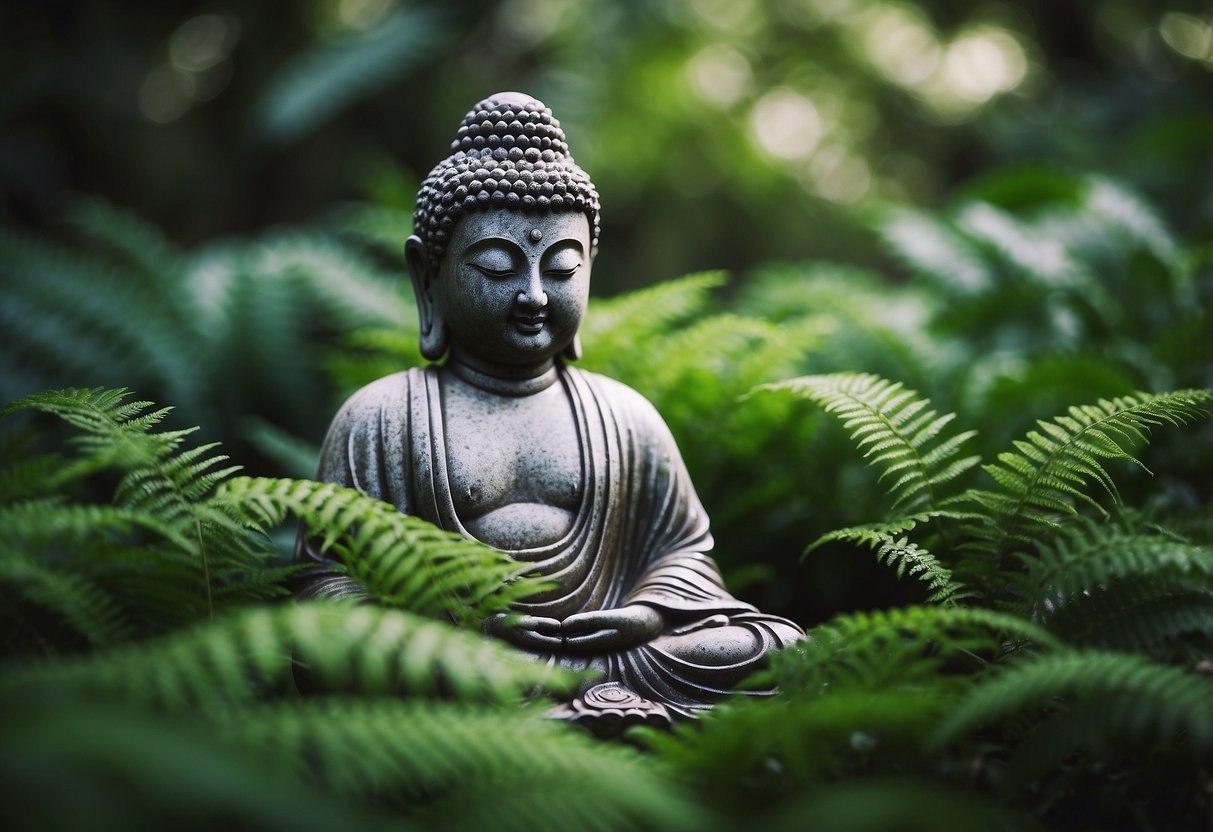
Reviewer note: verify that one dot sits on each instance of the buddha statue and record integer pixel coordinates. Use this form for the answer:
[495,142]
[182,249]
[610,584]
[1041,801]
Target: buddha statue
[573,474]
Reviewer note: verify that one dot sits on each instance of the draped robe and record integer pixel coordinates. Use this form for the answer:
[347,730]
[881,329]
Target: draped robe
[639,536]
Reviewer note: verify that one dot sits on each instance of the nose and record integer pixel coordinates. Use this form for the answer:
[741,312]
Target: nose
[532,295]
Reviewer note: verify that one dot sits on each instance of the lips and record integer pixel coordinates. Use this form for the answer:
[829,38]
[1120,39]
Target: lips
[530,323]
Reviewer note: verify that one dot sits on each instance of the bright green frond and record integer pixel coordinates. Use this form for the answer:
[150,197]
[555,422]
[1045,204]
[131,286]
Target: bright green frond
[646,312]
[896,431]
[1053,467]
[894,548]
[249,655]
[404,561]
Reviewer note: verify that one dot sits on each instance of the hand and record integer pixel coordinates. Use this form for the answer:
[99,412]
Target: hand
[612,629]
[530,631]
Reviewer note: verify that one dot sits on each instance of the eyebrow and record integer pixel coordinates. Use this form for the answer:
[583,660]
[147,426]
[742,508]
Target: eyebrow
[513,245]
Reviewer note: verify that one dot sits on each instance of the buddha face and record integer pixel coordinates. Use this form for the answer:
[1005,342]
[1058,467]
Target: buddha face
[512,287]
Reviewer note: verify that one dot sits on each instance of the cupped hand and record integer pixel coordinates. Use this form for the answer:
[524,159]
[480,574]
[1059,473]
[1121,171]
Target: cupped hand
[612,629]
[531,631]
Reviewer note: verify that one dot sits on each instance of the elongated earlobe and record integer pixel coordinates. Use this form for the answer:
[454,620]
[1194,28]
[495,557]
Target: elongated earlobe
[434,337]
[573,351]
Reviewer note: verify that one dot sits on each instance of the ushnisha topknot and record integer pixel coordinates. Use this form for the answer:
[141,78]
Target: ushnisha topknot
[509,152]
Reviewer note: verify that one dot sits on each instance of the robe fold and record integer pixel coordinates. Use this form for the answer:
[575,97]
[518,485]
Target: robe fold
[640,534]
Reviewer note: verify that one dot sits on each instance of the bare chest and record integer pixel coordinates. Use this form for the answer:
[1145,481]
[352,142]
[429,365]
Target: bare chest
[514,464]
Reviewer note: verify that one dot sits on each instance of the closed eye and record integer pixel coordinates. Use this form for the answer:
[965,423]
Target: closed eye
[562,274]
[496,274]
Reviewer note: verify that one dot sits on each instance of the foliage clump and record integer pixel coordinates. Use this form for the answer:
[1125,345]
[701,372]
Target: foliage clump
[1040,655]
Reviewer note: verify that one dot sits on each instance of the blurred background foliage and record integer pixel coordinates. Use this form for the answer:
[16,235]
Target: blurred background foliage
[1006,206]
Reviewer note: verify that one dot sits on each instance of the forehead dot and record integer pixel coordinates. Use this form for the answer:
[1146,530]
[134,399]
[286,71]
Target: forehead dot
[536,235]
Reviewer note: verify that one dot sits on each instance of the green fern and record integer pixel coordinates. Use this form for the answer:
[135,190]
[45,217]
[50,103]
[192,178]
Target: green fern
[896,428]
[448,765]
[902,437]
[1168,616]
[1128,695]
[403,561]
[935,251]
[71,763]
[190,544]
[250,655]
[91,614]
[895,549]
[873,650]
[1086,555]
[153,260]
[1042,479]
[331,75]
[74,316]
[786,746]
[861,320]
[613,324]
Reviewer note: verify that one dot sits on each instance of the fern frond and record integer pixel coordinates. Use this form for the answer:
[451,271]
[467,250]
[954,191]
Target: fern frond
[332,74]
[247,655]
[71,316]
[1043,477]
[370,353]
[163,489]
[612,323]
[1038,257]
[897,431]
[935,251]
[89,611]
[345,282]
[1132,697]
[1124,217]
[878,649]
[36,523]
[136,242]
[404,561]
[28,477]
[864,321]
[382,226]
[153,772]
[895,549]
[1167,617]
[1086,555]
[798,741]
[872,534]
[435,759]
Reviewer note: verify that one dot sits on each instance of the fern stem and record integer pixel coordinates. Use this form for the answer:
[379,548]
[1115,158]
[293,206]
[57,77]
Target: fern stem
[206,571]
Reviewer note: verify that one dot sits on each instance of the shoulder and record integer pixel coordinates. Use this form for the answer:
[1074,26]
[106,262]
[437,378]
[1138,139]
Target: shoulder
[354,445]
[624,402]
[617,394]
[367,403]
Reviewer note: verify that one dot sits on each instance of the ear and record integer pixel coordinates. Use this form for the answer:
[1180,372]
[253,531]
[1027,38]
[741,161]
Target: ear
[433,329]
[573,351]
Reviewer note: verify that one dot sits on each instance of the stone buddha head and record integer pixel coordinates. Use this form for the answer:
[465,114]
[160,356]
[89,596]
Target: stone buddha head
[505,232]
